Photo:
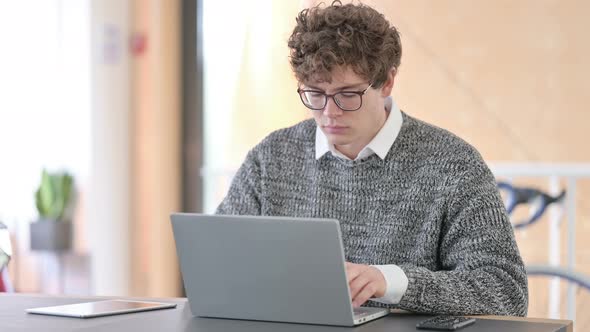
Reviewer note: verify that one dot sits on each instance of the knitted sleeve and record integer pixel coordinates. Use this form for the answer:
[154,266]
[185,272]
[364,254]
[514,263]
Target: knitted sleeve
[243,197]
[481,268]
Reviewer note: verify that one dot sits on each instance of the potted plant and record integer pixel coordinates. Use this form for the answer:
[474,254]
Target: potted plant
[55,203]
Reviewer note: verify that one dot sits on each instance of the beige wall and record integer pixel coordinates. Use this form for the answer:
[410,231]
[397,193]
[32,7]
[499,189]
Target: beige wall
[508,76]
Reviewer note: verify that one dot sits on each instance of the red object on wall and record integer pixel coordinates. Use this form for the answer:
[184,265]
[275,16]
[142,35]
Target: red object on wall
[138,43]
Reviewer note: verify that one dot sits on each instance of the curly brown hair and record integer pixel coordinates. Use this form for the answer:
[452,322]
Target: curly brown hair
[354,36]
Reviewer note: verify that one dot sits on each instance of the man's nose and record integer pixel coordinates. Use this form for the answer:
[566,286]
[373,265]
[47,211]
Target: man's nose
[331,109]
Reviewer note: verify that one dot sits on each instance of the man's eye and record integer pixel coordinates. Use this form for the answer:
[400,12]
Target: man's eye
[348,94]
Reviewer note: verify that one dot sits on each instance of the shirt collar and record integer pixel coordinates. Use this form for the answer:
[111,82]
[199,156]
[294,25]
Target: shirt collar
[380,144]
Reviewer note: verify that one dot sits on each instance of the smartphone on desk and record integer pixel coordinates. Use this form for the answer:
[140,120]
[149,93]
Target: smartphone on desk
[445,323]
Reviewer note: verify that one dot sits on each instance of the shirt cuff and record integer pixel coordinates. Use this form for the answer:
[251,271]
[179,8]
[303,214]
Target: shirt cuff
[396,283]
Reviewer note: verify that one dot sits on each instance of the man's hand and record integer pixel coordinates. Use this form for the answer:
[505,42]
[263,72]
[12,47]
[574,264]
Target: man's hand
[365,282]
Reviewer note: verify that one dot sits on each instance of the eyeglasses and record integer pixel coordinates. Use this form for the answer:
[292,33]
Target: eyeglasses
[346,100]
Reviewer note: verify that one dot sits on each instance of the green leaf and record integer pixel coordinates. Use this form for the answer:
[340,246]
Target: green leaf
[54,196]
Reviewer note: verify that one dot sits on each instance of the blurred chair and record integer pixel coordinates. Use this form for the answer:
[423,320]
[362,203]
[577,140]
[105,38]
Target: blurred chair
[537,200]
[562,273]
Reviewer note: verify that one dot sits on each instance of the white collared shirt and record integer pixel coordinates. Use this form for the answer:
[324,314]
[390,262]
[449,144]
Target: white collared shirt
[395,278]
[380,144]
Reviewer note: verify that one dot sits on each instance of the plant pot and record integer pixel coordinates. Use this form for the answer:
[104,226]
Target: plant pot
[51,235]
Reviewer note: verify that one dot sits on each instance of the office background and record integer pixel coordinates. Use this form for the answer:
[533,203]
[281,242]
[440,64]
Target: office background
[153,104]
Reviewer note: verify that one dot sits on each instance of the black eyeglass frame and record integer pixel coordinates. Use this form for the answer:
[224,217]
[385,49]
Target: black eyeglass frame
[326,96]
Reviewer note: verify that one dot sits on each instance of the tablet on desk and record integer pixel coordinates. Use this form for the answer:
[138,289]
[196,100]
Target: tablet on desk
[100,308]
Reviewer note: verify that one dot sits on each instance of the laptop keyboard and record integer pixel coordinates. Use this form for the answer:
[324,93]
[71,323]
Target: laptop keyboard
[362,311]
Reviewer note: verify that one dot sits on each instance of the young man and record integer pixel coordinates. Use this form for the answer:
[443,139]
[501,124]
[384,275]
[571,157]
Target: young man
[423,226]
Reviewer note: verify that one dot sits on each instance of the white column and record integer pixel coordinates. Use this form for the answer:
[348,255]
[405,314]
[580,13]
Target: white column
[108,212]
[571,244]
[555,217]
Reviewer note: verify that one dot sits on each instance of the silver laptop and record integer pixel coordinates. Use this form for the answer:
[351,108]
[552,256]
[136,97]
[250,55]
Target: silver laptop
[266,268]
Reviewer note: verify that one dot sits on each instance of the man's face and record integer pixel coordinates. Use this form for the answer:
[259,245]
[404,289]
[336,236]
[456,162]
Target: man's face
[351,131]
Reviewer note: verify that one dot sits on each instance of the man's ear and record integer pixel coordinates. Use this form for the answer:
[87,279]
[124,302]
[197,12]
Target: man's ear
[388,85]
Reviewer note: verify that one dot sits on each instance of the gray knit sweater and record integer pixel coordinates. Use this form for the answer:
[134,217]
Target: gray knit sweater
[431,207]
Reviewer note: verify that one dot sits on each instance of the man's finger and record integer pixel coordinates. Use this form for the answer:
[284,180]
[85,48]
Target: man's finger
[353,271]
[357,285]
[364,295]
